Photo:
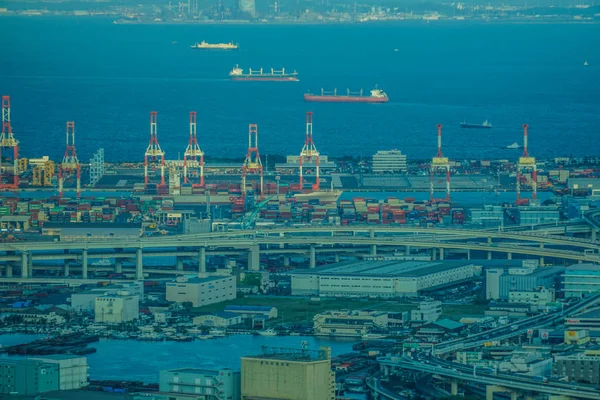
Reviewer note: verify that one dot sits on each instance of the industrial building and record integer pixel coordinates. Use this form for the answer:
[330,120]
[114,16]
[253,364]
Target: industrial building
[15,222]
[72,370]
[389,161]
[349,323]
[288,374]
[202,291]
[220,319]
[581,280]
[385,279]
[223,384]
[27,377]
[539,297]
[428,311]
[116,308]
[500,282]
[86,300]
[589,320]
[252,311]
[579,367]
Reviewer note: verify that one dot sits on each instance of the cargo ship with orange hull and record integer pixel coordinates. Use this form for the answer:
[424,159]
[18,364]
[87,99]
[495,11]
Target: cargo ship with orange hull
[237,74]
[377,96]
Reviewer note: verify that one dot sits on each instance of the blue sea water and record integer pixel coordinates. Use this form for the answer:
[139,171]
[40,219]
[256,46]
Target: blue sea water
[107,78]
[116,359]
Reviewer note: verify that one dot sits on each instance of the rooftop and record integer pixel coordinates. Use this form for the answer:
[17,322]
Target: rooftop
[249,308]
[196,280]
[197,371]
[584,267]
[449,324]
[389,268]
[15,218]
[290,354]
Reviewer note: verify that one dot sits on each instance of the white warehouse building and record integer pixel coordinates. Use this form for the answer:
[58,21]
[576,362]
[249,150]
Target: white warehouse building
[389,161]
[389,279]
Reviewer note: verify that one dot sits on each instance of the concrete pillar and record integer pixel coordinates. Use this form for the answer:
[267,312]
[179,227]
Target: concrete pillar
[373,249]
[254,258]
[454,387]
[489,240]
[9,270]
[509,256]
[24,265]
[489,255]
[67,270]
[336,257]
[179,264]
[542,262]
[441,253]
[433,254]
[468,254]
[286,261]
[594,234]
[514,395]
[139,264]
[371,233]
[407,250]
[313,257]
[84,264]
[202,260]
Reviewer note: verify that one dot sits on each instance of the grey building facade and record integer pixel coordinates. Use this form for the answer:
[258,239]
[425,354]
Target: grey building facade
[223,384]
[27,377]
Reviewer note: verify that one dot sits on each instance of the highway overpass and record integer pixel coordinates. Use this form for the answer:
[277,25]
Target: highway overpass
[307,241]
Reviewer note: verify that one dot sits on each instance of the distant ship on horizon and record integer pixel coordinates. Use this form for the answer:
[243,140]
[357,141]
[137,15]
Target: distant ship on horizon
[377,96]
[237,74]
[215,46]
[514,146]
[485,125]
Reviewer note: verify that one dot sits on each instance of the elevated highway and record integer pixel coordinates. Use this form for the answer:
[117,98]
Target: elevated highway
[305,240]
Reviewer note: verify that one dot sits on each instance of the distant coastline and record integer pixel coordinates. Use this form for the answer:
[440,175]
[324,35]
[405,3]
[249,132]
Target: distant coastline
[119,20]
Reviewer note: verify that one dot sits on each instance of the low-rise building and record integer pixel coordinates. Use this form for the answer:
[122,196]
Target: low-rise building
[581,280]
[527,363]
[27,377]
[578,367]
[220,319]
[252,311]
[428,311]
[202,291]
[85,301]
[539,297]
[469,357]
[223,384]
[440,328]
[116,308]
[577,336]
[15,222]
[72,370]
[380,279]
[508,309]
[589,320]
[290,374]
[349,323]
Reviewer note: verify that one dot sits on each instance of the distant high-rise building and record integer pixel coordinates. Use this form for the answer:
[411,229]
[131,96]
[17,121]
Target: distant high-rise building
[248,6]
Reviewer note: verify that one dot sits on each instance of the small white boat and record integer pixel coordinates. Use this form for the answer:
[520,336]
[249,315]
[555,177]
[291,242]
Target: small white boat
[586,64]
[372,336]
[268,332]
[217,333]
[204,337]
[396,50]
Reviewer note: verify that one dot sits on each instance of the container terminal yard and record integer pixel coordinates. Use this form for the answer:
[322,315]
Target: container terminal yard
[414,262]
